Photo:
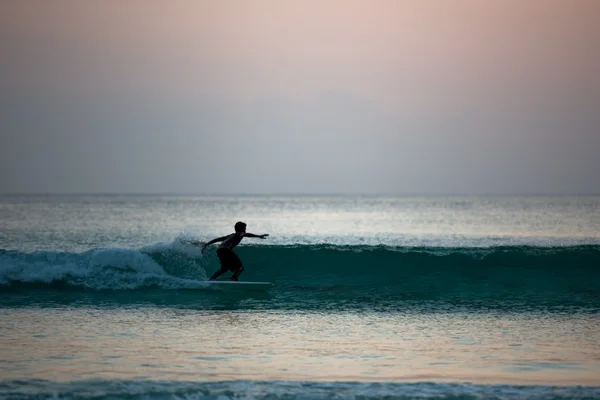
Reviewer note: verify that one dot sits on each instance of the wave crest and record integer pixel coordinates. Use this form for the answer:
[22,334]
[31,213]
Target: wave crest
[531,275]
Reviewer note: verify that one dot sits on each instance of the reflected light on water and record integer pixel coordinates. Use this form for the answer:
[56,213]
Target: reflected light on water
[61,344]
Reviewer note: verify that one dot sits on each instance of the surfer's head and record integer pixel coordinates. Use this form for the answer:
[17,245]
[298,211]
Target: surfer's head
[240,227]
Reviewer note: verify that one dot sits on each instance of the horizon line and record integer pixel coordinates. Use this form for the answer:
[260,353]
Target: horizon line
[292,194]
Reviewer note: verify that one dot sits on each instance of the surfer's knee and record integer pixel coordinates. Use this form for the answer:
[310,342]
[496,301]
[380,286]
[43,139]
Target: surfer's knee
[238,271]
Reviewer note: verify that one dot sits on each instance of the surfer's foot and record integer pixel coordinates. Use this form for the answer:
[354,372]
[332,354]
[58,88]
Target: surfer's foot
[234,279]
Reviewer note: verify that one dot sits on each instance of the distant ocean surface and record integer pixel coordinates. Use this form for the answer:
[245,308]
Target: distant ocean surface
[374,297]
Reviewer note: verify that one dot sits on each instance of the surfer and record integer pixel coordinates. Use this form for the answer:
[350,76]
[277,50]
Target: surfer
[229,260]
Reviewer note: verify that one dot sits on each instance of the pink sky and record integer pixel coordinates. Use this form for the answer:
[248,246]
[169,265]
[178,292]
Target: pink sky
[378,50]
[477,96]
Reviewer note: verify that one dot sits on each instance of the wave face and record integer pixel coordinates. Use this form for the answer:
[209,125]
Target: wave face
[535,276]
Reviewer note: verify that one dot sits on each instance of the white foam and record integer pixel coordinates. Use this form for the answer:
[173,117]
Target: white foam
[109,268]
[125,259]
[182,244]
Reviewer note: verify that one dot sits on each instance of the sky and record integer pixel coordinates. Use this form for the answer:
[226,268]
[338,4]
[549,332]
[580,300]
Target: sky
[313,96]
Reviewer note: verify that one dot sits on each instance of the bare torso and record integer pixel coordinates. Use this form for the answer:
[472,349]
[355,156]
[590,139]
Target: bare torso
[232,240]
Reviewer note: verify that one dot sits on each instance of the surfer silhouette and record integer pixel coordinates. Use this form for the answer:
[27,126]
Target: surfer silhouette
[229,260]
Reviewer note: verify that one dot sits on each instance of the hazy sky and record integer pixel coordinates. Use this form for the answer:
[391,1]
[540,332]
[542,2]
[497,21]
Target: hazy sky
[311,96]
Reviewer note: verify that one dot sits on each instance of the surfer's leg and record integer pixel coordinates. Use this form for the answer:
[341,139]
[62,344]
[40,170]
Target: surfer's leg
[218,273]
[237,273]
[236,266]
[225,262]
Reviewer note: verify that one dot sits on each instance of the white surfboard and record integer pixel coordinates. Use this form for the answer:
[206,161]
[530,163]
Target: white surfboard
[243,285]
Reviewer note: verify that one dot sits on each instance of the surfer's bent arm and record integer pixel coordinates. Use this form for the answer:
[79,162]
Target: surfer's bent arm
[219,239]
[252,235]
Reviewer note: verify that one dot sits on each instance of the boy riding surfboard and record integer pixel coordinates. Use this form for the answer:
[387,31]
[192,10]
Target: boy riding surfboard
[229,260]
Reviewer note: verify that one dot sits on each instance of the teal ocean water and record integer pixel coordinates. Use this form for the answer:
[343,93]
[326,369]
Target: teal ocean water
[374,297]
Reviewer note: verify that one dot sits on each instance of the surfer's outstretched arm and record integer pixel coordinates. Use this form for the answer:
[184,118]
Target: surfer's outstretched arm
[252,235]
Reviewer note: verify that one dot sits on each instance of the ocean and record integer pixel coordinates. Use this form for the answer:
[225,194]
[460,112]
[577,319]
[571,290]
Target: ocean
[374,297]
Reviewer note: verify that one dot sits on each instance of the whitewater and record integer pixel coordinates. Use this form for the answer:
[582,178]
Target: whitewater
[373,297]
